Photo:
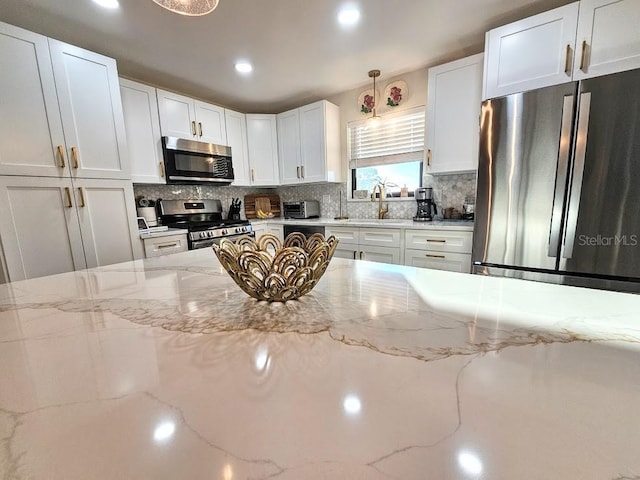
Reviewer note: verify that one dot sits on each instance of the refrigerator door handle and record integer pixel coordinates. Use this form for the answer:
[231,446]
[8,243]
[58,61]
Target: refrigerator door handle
[561,176]
[578,171]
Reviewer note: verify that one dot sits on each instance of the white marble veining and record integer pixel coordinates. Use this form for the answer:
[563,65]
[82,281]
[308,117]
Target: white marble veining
[164,369]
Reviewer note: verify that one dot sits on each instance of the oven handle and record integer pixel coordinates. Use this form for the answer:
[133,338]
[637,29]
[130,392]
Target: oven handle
[210,241]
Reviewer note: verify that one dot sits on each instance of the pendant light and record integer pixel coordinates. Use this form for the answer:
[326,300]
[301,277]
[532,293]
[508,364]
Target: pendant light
[189,7]
[374,119]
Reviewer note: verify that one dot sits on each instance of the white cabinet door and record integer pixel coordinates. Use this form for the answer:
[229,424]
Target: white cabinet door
[348,251]
[91,110]
[107,221]
[608,38]
[142,125]
[380,254]
[236,126]
[385,237]
[262,140]
[31,138]
[210,123]
[453,262]
[177,115]
[453,110]
[39,227]
[345,235]
[313,142]
[277,230]
[532,53]
[289,155]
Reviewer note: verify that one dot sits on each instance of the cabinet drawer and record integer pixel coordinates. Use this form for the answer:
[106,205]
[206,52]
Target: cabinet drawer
[453,262]
[345,235]
[386,237]
[155,247]
[380,254]
[439,240]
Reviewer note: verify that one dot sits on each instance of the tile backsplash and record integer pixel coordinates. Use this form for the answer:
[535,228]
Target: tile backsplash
[448,190]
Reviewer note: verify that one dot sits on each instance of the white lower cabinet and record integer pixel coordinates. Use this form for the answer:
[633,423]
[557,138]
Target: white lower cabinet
[439,249]
[373,244]
[277,230]
[51,225]
[158,246]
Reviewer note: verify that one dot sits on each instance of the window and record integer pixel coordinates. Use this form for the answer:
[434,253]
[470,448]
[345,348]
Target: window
[391,152]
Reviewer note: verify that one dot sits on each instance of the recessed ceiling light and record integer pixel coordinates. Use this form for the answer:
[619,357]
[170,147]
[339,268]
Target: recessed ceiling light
[107,3]
[348,15]
[244,67]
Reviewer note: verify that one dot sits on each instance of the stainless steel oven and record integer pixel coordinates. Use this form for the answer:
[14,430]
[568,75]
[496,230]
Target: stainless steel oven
[188,161]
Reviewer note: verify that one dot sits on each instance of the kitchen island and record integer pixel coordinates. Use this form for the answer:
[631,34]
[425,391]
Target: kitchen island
[165,369]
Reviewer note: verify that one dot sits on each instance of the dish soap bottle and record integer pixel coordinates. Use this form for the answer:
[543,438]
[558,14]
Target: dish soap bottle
[404,191]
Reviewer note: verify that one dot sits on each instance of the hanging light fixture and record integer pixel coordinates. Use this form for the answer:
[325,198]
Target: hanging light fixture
[374,119]
[189,7]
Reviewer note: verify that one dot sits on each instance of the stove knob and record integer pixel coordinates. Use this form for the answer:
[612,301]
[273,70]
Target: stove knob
[210,234]
[225,231]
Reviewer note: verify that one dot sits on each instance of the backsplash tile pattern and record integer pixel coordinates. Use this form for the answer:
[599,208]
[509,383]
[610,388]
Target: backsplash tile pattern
[448,190]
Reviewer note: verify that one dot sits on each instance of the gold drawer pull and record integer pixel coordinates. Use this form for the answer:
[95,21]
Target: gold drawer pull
[168,245]
[429,158]
[436,241]
[74,155]
[67,194]
[193,128]
[161,169]
[61,155]
[567,60]
[200,127]
[82,202]
[583,55]
[434,256]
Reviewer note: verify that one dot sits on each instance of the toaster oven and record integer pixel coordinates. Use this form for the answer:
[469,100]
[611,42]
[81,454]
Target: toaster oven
[303,209]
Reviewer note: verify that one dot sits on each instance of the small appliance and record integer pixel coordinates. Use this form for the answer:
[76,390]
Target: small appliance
[426,206]
[302,209]
[191,162]
[234,209]
[203,219]
[469,207]
[147,209]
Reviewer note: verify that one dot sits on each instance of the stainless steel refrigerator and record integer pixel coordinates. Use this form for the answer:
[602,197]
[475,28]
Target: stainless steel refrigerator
[558,196]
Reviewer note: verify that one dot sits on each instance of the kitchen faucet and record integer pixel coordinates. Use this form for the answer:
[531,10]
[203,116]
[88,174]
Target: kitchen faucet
[381,211]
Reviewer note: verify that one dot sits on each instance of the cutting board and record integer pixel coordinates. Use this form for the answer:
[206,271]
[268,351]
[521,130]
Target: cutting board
[267,202]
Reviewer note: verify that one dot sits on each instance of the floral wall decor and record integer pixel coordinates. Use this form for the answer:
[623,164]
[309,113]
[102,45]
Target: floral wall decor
[395,93]
[366,102]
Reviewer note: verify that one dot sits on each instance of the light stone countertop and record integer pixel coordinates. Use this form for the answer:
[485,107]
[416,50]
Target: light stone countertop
[460,225]
[164,369]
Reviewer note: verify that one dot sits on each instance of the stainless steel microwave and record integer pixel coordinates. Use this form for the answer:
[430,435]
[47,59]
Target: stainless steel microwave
[188,161]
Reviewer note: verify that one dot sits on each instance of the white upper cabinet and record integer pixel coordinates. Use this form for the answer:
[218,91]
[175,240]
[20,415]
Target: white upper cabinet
[289,154]
[31,138]
[262,141]
[236,126]
[142,126]
[580,40]
[185,117]
[454,97]
[91,110]
[309,144]
[532,53]
[61,109]
[608,38]
[211,123]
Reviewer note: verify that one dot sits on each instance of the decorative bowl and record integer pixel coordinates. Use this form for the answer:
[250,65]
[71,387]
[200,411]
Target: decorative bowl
[268,269]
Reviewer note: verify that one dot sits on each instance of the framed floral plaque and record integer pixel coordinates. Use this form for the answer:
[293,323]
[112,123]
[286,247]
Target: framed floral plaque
[365,101]
[395,93]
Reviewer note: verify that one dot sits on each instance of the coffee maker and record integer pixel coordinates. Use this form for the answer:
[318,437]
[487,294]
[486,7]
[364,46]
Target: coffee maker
[426,206]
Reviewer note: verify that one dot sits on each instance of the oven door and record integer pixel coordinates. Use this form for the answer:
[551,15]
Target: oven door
[187,161]
[207,242]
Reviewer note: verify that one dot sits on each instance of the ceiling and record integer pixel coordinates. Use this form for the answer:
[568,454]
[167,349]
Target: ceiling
[299,52]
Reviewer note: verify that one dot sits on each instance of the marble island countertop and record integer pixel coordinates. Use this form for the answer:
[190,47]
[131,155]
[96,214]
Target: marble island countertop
[164,369]
[463,225]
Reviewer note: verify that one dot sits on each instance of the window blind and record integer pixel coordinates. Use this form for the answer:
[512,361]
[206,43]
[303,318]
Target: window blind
[395,139]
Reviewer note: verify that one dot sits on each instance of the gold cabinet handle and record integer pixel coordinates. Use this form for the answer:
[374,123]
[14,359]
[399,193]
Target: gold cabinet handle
[74,155]
[429,158]
[200,128]
[252,175]
[82,202]
[583,56]
[193,128]
[567,60]
[302,171]
[434,256]
[360,255]
[354,254]
[298,171]
[436,241]
[167,245]
[161,169]
[61,155]
[67,194]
